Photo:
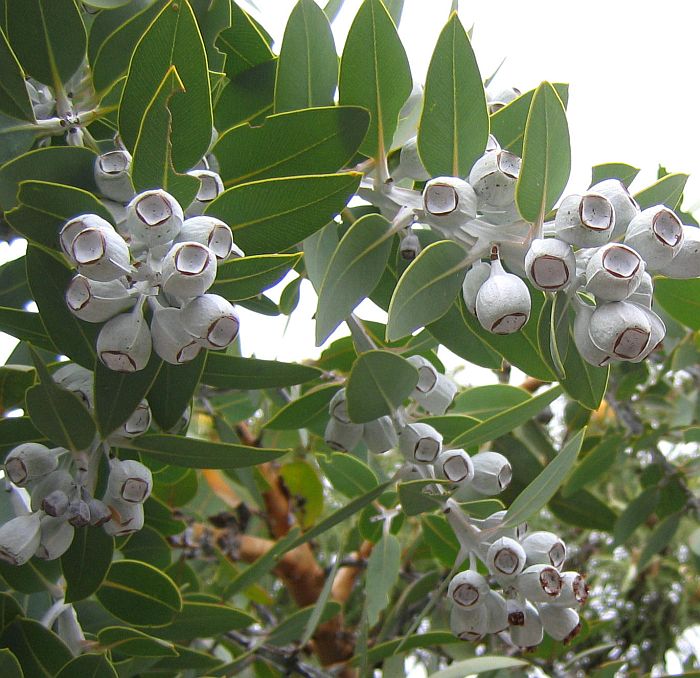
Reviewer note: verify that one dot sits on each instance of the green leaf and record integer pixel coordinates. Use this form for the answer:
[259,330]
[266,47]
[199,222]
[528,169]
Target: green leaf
[290,630]
[347,474]
[440,538]
[584,510]
[318,250]
[14,289]
[379,382]
[37,30]
[9,609]
[86,562]
[203,620]
[659,539]
[635,514]
[430,640]
[273,214]
[290,296]
[32,577]
[194,453]
[134,643]
[14,381]
[546,155]
[15,98]
[25,326]
[148,546]
[173,39]
[484,402]
[227,371]
[583,382]
[666,191]
[246,277]
[303,483]
[156,145]
[92,665]
[16,430]
[322,609]
[353,272]
[40,652]
[383,568]
[596,462]
[59,414]
[307,71]
[303,411]
[420,496]
[427,288]
[454,126]
[680,299]
[139,594]
[375,74]
[478,665]
[312,141]
[614,170]
[536,495]
[9,665]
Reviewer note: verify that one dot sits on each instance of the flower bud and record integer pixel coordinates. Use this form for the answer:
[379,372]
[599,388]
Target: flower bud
[56,538]
[137,424]
[620,329]
[124,343]
[503,302]
[614,272]
[476,276]
[59,480]
[410,247]
[112,175]
[530,632]
[342,436]
[99,512]
[55,503]
[126,518]
[448,202]
[624,205]
[686,263]
[211,320]
[75,136]
[505,558]
[494,176]
[585,220]
[379,435]
[468,589]
[658,332]
[469,624]
[100,254]
[96,302]
[492,473]
[497,609]
[539,583]
[574,590]
[19,538]
[544,547]
[129,481]
[657,234]
[78,513]
[584,344]
[420,443]
[644,294]
[455,466]
[561,623]
[29,461]
[154,217]
[188,271]
[550,264]
[170,339]
[212,232]
[210,187]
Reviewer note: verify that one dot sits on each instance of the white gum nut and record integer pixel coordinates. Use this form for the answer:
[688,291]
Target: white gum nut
[210,187]
[544,547]
[448,203]
[124,343]
[625,206]
[113,175]
[657,234]
[137,424]
[644,294]
[342,436]
[686,263]
[658,332]
[492,473]
[550,264]
[19,538]
[503,302]
[455,466]
[209,231]
[410,164]
[188,270]
[561,623]
[539,583]
[338,407]
[497,610]
[469,624]
[476,276]
[96,302]
[505,558]
[420,443]
[585,220]
[614,272]
[493,178]
[170,339]
[502,98]
[410,247]
[574,590]
[101,254]
[468,589]
[440,397]
[56,537]
[154,217]
[379,435]
[59,480]
[530,633]
[29,461]
[620,329]
[129,481]
[77,225]
[126,519]
[211,320]
[427,375]
[584,344]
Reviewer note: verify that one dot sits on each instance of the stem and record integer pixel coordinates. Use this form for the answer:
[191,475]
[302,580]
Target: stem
[53,613]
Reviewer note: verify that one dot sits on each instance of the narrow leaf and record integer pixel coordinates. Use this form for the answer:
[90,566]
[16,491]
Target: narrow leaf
[14,99]
[382,573]
[666,191]
[227,371]
[246,277]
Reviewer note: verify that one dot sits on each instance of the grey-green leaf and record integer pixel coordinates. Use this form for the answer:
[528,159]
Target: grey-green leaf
[14,99]
[382,573]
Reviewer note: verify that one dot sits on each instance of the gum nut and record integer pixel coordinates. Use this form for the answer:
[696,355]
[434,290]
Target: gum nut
[469,624]
[58,480]
[497,610]
[550,264]
[493,178]
[97,302]
[502,98]
[171,341]
[410,163]
[625,206]
[657,234]
[544,547]
[658,332]
[420,443]
[112,176]
[468,589]
[574,590]
[55,503]
[644,294]
[56,538]
[614,272]
[29,461]
[516,612]
[99,512]
[410,247]
[129,481]
[427,375]
[379,435]
[338,407]
[70,374]
[686,263]
[449,202]
[19,538]
[530,633]
[503,302]
[77,225]
[209,231]
[78,513]
[188,270]
[561,623]
[585,346]
[126,518]
[455,466]
[210,187]
[492,144]
[505,558]
[620,329]
[101,255]
[124,343]
[492,473]
[154,217]
[137,424]
[75,136]
[342,436]
[585,220]
[211,320]
[476,276]
[440,397]
[539,583]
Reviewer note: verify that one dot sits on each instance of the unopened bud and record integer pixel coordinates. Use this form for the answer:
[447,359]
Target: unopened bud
[420,443]
[210,186]
[342,436]
[686,263]
[55,503]
[492,473]
[494,176]
[124,343]
[585,220]
[544,547]
[211,320]
[550,264]
[561,623]
[614,272]
[170,339]
[624,205]
[476,276]
[503,302]
[539,583]
[505,558]
[620,329]
[99,512]
[129,481]
[455,466]
[112,175]
[126,518]
[188,270]
[410,247]
[29,461]
[58,480]
[530,633]
[212,232]
[449,202]
[78,513]
[154,217]
[97,302]
[379,435]
[56,538]
[468,589]
[19,538]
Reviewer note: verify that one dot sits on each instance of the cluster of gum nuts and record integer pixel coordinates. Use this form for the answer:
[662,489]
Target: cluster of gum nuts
[61,485]
[158,254]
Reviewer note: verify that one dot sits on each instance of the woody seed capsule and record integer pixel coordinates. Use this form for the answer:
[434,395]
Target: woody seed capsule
[584,344]
[686,263]
[112,175]
[624,205]
[124,343]
[539,583]
[455,466]
[342,436]
[420,443]
[620,329]
[170,339]
[154,218]
[56,537]
[574,590]
[77,225]
[493,178]
[29,461]
[497,610]
[126,517]
[188,270]
[492,473]
[212,232]
[544,547]
[469,624]
[585,220]
[379,435]
[211,320]
[505,558]
[210,186]
[448,202]
[503,302]
[550,264]
[561,623]
[476,276]
[614,272]
[468,589]
[657,234]
[19,538]
[97,302]
[129,481]
[530,632]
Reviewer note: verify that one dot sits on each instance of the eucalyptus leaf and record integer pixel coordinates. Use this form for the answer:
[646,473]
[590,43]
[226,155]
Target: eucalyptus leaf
[246,277]
[383,568]
[15,99]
